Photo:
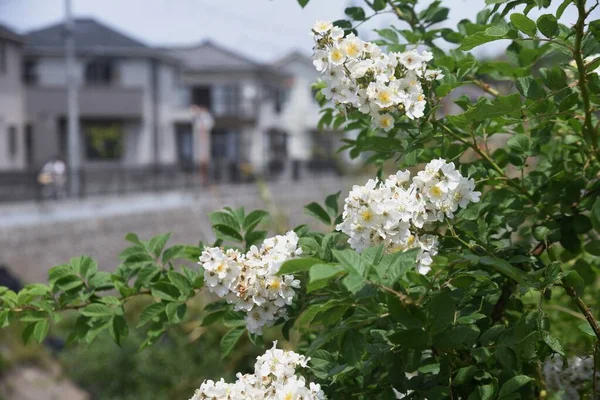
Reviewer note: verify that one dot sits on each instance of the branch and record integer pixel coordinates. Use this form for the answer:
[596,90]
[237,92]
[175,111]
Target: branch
[485,86]
[588,133]
[587,313]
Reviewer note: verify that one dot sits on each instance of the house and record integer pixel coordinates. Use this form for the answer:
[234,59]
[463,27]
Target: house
[14,139]
[125,95]
[242,95]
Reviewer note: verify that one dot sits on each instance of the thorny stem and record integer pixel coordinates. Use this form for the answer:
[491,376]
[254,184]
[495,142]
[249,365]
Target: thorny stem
[485,86]
[595,374]
[588,133]
[584,309]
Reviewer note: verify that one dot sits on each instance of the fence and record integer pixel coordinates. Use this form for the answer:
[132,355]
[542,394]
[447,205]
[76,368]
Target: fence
[24,185]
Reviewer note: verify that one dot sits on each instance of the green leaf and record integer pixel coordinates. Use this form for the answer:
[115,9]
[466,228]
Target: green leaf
[523,23]
[303,3]
[561,9]
[356,13]
[118,329]
[254,218]
[530,88]
[352,261]
[180,281]
[175,312]
[151,312]
[388,34]
[84,266]
[157,243]
[133,238]
[587,329]
[393,266]
[378,5]
[332,204]
[553,343]
[40,330]
[505,268]
[464,375]
[548,25]
[165,291]
[594,27]
[497,108]
[297,265]
[229,341]
[315,210]
[97,310]
[224,218]
[489,35]
[353,346]
[225,232]
[520,144]
[320,274]
[513,384]
[440,312]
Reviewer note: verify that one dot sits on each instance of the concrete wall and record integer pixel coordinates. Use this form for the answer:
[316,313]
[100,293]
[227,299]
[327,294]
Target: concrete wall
[12,111]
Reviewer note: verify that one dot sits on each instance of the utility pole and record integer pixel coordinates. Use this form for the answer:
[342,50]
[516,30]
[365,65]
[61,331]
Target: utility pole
[73,161]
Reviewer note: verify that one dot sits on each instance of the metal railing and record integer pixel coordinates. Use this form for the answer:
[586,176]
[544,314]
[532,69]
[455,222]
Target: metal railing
[25,185]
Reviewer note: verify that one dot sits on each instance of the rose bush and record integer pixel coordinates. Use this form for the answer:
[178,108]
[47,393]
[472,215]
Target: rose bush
[470,273]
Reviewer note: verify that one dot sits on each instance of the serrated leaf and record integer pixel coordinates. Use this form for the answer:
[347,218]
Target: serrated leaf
[297,265]
[229,341]
[40,330]
[157,243]
[118,329]
[320,274]
[353,346]
[151,312]
[254,218]
[505,268]
[97,310]
[315,210]
[225,232]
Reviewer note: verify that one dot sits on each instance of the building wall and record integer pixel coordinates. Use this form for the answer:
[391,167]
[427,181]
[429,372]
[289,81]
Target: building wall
[12,110]
[133,76]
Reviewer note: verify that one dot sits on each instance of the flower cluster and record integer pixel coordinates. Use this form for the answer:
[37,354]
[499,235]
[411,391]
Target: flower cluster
[571,379]
[394,212]
[274,378]
[249,281]
[359,74]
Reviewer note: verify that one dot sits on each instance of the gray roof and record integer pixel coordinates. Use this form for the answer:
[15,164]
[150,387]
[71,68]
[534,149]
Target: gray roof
[9,34]
[295,55]
[208,56]
[88,33]
[91,37]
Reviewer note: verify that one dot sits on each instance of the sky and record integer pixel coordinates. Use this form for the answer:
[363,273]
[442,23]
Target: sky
[264,30]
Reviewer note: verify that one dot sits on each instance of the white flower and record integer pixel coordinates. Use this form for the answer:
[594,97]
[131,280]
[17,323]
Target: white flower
[250,282]
[384,121]
[322,27]
[360,76]
[391,212]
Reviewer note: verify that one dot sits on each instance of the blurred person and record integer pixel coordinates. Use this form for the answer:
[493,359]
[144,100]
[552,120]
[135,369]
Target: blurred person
[53,178]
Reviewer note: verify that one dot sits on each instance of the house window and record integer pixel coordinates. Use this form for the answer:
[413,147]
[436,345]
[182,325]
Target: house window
[99,72]
[28,144]
[3,57]
[227,100]
[12,141]
[103,140]
[30,76]
[202,97]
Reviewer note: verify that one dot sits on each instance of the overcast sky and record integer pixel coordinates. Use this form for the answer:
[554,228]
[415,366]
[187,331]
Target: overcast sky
[261,29]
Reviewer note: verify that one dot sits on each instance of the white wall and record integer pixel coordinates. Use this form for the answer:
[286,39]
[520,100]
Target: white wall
[12,110]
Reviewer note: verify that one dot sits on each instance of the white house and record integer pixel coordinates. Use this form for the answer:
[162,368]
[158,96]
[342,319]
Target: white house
[13,138]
